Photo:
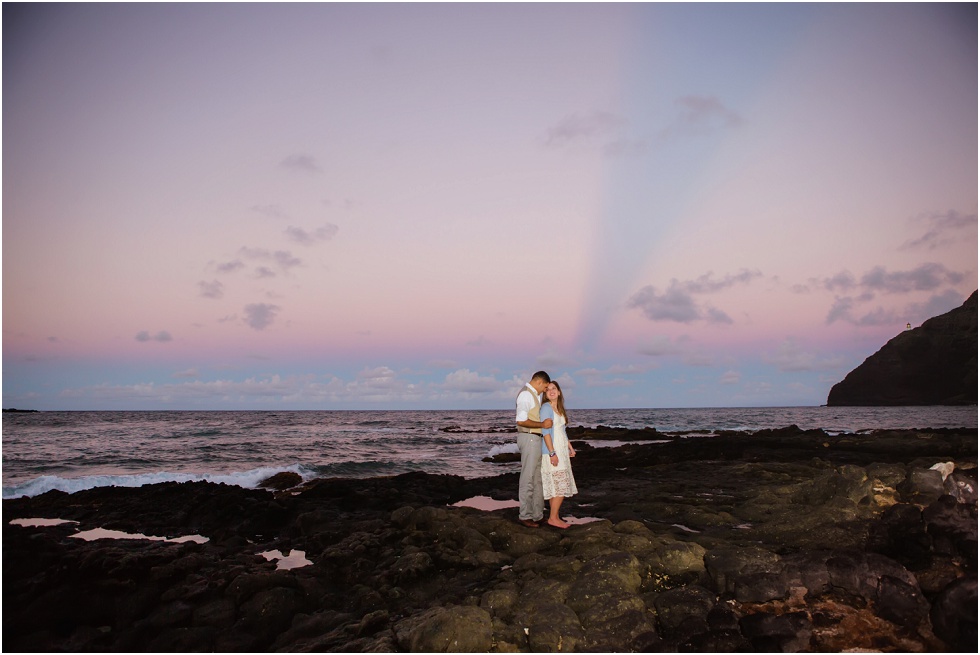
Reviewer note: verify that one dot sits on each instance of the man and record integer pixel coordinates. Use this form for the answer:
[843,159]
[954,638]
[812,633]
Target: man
[529,426]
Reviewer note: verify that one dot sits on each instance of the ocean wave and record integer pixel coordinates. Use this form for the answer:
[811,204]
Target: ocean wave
[363,469]
[248,479]
[504,448]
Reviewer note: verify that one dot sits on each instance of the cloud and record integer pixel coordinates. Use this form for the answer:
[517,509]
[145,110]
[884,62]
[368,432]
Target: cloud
[708,284]
[658,346]
[375,386]
[213,289]
[188,373]
[698,115]
[379,385]
[207,393]
[936,305]
[677,302]
[230,267]
[596,382]
[301,236]
[551,358]
[611,376]
[674,304]
[260,315]
[283,259]
[480,342]
[576,128]
[300,163]
[846,309]
[705,112]
[467,381]
[626,147]
[856,292]
[162,336]
[791,357]
[942,229]
[630,369]
[840,310]
[380,377]
[700,358]
[926,277]
[270,211]
[717,317]
[731,377]
[843,281]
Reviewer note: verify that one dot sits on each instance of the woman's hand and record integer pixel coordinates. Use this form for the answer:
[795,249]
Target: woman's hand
[554,459]
[571,451]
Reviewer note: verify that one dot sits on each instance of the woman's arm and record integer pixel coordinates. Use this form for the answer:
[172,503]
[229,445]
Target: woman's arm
[547,435]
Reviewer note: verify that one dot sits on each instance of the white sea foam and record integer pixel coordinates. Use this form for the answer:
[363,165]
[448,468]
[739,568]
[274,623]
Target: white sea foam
[248,479]
[504,448]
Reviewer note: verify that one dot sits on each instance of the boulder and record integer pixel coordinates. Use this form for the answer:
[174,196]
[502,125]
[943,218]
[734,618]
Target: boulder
[778,633]
[553,627]
[282,481]
[922,486]
[953,527]
[900,602]
[954,615]
[962,485]
[683,612]
[731,569]
[900,533]
[451,629]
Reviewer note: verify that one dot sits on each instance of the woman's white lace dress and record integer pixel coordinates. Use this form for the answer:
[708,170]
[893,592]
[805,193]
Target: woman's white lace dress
[558,480]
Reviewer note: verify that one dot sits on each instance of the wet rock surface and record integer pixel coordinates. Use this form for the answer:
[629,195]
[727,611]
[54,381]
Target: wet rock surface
[778,541]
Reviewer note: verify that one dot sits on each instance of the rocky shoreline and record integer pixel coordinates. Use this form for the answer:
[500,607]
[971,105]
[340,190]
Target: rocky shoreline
[775,541]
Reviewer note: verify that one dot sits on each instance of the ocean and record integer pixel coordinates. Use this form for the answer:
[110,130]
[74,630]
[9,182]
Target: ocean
[72,451]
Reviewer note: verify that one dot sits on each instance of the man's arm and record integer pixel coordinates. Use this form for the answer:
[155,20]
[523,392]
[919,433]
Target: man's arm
[547,423]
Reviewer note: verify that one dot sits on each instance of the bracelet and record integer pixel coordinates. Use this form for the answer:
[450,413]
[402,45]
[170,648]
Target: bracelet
[552,454]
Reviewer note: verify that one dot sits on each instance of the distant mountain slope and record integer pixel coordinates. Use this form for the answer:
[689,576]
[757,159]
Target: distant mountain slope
[935,364]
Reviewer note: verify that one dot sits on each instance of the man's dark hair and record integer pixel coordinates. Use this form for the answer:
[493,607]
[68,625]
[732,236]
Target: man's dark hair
[541,374]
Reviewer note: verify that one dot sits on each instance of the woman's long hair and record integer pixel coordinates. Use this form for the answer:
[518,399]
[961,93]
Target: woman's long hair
[559,401]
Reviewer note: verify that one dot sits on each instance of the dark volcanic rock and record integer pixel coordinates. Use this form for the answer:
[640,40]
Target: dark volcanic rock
[281,481]
[934,364]
[782,540]
[954,615]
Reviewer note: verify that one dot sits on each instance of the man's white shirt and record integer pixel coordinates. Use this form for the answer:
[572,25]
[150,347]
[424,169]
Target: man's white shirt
[525,402]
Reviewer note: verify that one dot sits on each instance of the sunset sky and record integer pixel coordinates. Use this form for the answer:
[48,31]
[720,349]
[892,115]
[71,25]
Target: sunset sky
[320,206]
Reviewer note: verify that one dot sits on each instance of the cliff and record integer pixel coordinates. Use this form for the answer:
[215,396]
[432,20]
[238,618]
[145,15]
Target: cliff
[934,364]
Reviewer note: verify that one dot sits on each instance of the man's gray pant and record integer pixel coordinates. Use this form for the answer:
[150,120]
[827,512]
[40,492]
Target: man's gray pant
[530,494]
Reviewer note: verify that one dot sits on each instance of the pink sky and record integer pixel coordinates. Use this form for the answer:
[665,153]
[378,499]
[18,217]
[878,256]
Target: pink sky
[346,206]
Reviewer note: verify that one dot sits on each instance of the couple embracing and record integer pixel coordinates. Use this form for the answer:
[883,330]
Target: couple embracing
[546,470]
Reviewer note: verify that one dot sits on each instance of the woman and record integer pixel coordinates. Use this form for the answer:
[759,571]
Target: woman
[557,480]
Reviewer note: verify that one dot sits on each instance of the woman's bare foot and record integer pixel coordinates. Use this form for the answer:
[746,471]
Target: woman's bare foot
[558,523]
